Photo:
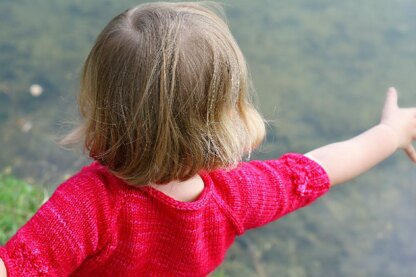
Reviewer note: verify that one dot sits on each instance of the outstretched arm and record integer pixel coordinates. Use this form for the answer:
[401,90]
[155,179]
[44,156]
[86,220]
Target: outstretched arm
[348,159]
[3,272]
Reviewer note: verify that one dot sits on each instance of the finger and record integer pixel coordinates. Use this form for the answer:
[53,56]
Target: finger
[411,153]
[391,99]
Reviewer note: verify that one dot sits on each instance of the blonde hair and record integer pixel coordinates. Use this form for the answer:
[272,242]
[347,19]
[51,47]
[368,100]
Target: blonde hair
[165,93]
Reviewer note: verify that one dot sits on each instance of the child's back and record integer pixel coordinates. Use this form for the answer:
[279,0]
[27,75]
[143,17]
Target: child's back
[97,225]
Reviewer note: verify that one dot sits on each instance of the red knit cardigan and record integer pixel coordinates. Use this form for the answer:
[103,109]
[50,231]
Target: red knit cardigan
[96,225]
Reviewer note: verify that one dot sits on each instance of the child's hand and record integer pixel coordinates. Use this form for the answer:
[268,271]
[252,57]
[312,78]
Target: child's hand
[347,159]
[401,121]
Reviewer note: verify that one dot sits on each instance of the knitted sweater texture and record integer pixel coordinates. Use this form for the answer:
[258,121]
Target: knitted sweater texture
[96,225]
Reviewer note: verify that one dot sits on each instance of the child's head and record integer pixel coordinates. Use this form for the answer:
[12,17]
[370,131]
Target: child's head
[165,93]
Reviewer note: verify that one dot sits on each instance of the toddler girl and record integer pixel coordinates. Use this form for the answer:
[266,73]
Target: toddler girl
[167,118]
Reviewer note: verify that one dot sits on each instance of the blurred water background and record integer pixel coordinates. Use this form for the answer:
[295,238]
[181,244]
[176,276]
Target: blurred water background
[320,69]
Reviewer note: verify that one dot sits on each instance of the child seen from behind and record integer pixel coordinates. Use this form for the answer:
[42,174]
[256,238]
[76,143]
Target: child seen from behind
[167,118]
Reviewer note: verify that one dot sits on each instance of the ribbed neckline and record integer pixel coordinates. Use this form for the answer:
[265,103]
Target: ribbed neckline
[181,205]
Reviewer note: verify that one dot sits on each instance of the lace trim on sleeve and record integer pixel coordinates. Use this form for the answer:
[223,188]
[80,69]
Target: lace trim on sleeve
[309,178]
[21,260]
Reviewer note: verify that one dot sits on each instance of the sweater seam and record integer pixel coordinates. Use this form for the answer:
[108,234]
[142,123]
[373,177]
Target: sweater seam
[227,212]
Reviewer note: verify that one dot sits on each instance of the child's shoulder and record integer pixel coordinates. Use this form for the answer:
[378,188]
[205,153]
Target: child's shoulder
[292,173]
[93,179]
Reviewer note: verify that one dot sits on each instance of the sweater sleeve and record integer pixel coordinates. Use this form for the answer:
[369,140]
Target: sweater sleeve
[259,192]
[67,229]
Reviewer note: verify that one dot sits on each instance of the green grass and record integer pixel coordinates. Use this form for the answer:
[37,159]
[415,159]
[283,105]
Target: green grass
[218,273]
[18,202]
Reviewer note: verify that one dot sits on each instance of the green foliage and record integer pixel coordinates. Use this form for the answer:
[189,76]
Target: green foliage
[18,202]
[219,273]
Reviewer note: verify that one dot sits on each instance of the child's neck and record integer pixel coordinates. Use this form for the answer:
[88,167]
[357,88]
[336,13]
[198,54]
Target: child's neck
[186,191]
